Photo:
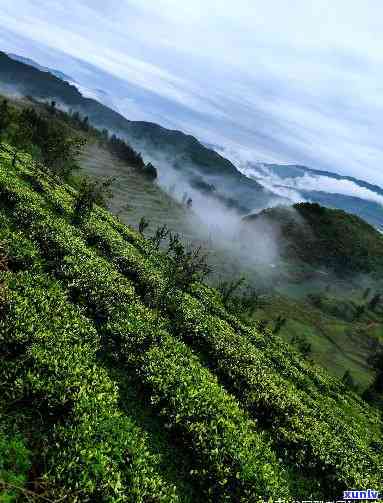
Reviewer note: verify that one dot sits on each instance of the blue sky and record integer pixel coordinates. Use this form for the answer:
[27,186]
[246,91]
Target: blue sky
[298,81]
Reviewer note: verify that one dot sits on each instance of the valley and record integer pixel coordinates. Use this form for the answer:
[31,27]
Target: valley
[336,339]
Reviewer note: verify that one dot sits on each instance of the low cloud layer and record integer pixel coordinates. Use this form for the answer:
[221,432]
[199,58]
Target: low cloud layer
[333,186]
[293,187]
[295,82]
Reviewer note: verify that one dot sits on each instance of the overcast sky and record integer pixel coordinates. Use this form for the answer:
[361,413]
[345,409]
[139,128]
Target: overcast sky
[287,81]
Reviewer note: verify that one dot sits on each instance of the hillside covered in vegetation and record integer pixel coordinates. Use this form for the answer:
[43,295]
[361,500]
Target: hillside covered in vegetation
[123,377]
[324,237]
[188,157]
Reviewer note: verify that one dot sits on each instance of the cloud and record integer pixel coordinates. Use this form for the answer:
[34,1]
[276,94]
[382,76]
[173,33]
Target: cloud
[333,186]
[282,81]
[295,187]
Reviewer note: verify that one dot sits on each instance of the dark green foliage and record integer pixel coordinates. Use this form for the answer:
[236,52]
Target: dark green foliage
[374,393]
[302,345]
[375,301]
[3,257]
[127,154]
[143,224]
[117,146]
[91,192]
[45,136]
[52,107]
[57,148]
[15,462]
[5,117]
[262,325]
[238,299]
[348,381]
[150,171]
[228,289]
[316,299]
[279,324]
[359,311]
[16,252]
[3,290]
[186,264]
[160,235]
[324,237]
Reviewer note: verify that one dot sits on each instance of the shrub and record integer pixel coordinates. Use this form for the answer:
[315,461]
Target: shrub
[237,299]
[90,192]
[143,224]
[186,264]
[3,258]
[160,235]
[48,139]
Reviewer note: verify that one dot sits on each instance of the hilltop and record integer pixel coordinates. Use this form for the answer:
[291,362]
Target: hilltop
[31,62]
[323,238]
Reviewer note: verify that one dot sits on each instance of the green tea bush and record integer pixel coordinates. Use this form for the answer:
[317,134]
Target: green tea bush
[90,448]
[15,462]
[256,369]
[90,192]
[128,324]
[20,253]
[208,389]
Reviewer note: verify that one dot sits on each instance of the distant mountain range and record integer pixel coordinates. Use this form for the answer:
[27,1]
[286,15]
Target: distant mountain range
[300,183]
[185,165]
[31,62]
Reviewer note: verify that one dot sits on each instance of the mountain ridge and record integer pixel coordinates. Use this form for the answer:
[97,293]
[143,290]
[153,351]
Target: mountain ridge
[31,62]
[332,190]
[186,165]
[331,174]
[248,194]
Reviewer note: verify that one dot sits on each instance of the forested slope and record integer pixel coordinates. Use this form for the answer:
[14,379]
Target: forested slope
[324,237]
[183,153]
